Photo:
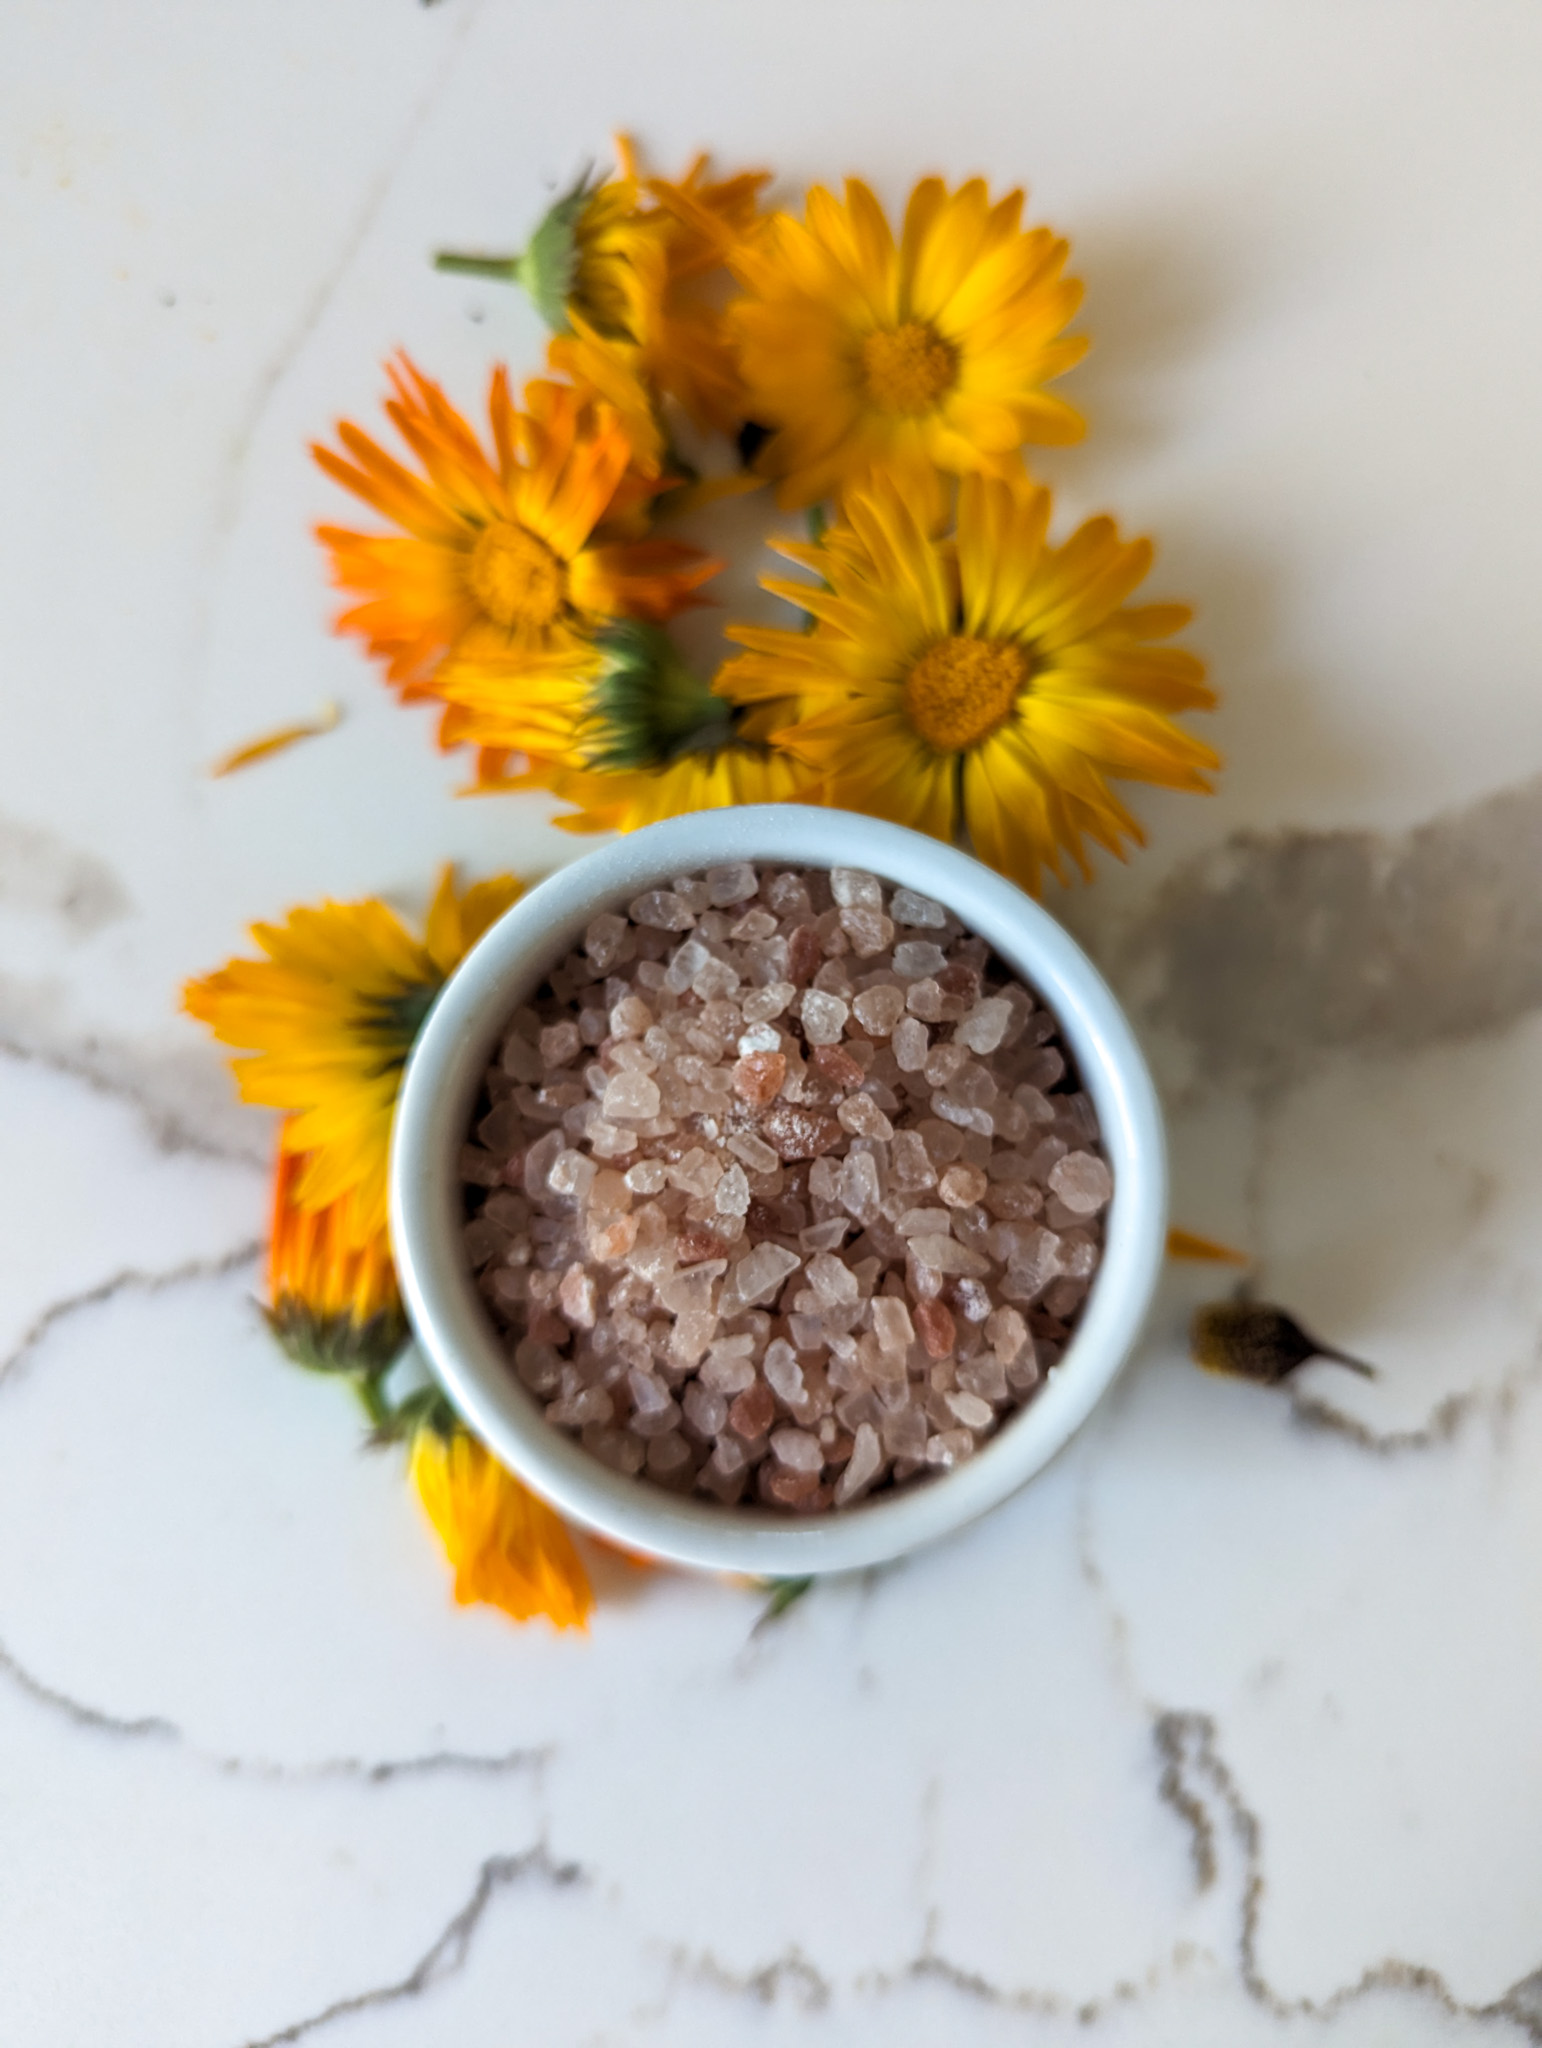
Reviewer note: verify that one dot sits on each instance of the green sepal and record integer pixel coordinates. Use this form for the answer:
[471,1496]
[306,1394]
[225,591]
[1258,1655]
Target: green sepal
[647,706]
[423,1408]
[783,1594]
[336,1344]
[548,265]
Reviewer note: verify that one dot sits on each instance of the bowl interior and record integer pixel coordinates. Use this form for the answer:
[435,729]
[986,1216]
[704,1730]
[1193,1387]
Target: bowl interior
[440,1089]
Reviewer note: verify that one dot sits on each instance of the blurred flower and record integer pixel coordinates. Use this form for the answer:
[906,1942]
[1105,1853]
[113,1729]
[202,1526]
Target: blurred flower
[633,260]
[859,351]
[333,1303]
[989,681]
[507,1547]
[739,764]
[513,559]
[330,1016]
[1254,1340]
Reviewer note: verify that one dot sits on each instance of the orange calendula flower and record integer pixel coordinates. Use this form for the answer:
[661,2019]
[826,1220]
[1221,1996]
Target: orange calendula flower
[511,557]
[328,1018]
[333,1303]
[508,1548]
[861,350]
[633,261]
[985,680]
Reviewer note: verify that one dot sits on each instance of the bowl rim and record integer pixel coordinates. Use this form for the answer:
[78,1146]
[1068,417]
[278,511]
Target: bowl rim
[456,1334]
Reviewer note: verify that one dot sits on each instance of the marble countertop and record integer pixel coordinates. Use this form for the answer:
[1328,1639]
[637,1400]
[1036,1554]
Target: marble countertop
[1225,1731]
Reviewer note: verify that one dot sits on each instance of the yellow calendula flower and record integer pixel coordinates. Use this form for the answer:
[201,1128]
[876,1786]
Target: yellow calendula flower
[507,1547]
[633,260]
[739,765]
[327,1020]
[514,557]
[862,350]
[987,681]
[333,1303]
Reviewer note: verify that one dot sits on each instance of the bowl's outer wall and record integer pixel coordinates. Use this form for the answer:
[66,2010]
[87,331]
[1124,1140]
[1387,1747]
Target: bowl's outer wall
[440,1088]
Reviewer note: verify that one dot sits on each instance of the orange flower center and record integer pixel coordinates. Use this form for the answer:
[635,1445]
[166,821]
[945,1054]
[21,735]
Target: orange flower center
[962,689]
[907,369]
[515,577]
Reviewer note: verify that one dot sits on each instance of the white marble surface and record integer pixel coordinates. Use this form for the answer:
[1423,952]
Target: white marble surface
[1225,1733]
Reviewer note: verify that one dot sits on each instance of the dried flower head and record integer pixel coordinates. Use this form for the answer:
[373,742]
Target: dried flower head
[1253,1340]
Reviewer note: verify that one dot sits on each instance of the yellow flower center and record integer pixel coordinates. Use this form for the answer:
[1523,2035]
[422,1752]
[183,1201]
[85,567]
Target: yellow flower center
[907,369]
[961,690]
[515,577]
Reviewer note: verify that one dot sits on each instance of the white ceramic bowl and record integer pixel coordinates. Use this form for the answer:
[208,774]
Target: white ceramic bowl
[432,1119]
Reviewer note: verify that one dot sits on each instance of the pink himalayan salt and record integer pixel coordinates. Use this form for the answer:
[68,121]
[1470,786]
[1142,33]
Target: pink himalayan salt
[902,1107]
[758,1077]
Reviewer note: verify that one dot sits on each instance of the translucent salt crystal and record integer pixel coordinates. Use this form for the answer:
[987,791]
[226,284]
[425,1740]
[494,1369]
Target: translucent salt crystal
[986,1025]
[1082,1182]
[936,1328]
[762,1004]
[910,1163]
[824,1237]
[539,1160]
[755,924]
[891,1323]
[693,892]
[593,1026]
[904,1432]
[969,1410]
[1030,1270]
[685,964]
[631,1097]
[944,1062]
[725,1372]
[688,1340]
[798,1132]
[909,908]
[692,1290]
[1010,1119]
[614,1240]
[732,884]
[964,1114]
[704,1410]
[798,1450]
[879,1009]
[628,1058]
[661,910]
[696,1243]
[758,1078]
[579,1297]
[631,1018]
[732,1194]
[538,1365]
[832,1280]
[653,1406]
[860,1115]
[807,1332]
[1044,1158]
[756,1154]
[911,1044]
[605,941]
[962,1186]
[860,1193]
[1007,1334]
[759,1275]
[714,979]
[609,1141]
[560,1043]
[669,1459]
[856,886]
[868,930]
[1064,1297]
[917,959]
[788,896]
[1045,1067]
[752,1412]
[760,1038]
[862,1467]
[924,999]
[698,1173]
[1078,1255]
[520,1060]
[949,1447]
[784,1375]
[824,1017]
[647,1177]
[972,1299]
[923,1222]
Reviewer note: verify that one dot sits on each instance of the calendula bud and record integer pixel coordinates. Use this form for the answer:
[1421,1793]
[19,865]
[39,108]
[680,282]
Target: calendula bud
[1255,1341]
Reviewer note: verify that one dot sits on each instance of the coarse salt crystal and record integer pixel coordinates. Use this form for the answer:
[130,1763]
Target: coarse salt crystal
[824,1017]
[915,959]
[661,910]
[631,1097]
[909,908]
[1082,1182]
